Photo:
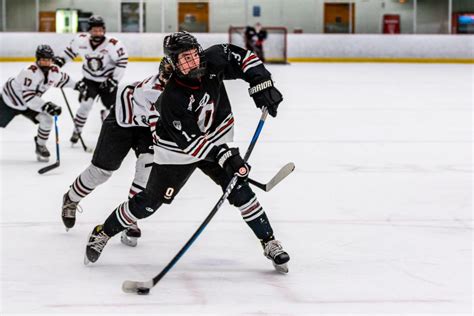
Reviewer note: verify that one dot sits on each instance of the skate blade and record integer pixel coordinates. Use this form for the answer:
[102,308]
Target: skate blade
[86,261]
[128,241]
[282,268]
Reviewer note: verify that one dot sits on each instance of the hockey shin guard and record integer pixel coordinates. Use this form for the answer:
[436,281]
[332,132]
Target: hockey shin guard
[87,181]
[254,215]
[128,213]
[44,127]
[82,114]
[142,172]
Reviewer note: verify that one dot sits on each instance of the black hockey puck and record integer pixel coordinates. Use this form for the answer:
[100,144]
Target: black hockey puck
[143,291]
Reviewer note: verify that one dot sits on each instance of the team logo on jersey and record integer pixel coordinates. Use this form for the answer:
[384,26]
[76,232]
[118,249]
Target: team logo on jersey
[177,125]
[95,63]
[205,112]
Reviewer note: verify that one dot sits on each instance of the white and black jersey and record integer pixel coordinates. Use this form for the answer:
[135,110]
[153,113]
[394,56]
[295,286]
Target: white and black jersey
[135,104]
[25,90]
[106,60]
[195,116]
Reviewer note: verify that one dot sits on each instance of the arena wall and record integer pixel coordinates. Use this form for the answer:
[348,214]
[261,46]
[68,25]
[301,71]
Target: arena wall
[301,47]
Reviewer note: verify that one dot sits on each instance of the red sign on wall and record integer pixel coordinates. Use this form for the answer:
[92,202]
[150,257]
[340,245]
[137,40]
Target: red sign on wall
[391,24]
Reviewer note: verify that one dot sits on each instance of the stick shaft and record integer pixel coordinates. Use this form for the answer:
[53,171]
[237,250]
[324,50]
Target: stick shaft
[219,203]
[58,160]
[72,117]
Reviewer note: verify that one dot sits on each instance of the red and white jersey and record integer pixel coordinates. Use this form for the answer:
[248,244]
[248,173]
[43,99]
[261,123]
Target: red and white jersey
[109,59]
[25,90]
[135,103]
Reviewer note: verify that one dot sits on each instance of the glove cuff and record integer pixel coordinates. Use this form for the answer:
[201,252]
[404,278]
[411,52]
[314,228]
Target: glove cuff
[260,86]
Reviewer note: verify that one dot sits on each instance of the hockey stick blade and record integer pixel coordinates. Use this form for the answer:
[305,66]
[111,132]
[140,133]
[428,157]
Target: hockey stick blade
[281,174]
[135,287]
[48,168]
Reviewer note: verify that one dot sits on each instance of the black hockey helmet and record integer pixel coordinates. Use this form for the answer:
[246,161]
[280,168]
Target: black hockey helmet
[44,51]
[179,42]
[95,20]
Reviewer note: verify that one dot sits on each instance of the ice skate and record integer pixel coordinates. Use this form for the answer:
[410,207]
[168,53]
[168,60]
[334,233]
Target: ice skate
[75,137]
[279,257]
[96,243]
[68,213]
[42,153]
[130,236]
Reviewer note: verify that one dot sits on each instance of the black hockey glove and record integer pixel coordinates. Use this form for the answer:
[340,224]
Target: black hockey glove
[266,95]
[81,87]
[109,85]
[51,108]
[229,159]
[59,61]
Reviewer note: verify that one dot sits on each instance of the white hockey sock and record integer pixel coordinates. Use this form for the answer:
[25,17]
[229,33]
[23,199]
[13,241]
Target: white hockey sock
[142,172]
[82,114]
[44,127]
[87,181]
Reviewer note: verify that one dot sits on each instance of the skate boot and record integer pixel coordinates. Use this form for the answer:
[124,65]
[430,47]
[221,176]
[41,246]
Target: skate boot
[130,236]
[274,251]
[75,137]
[97,241]
[42,153]
[68,213]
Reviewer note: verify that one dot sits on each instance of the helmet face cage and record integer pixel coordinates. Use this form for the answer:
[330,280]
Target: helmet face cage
[96,21]
[44,52]
[180,42]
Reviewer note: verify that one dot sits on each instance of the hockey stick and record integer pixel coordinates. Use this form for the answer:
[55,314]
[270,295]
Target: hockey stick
[56,164]
[86,149]
[143,288]
[281,174]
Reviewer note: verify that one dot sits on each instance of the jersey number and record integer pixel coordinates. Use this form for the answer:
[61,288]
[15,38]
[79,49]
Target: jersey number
[27,82]
[120,52]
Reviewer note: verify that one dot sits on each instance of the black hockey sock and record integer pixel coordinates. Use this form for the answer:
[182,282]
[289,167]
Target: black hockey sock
[261,228]
[120,219]
[254,215]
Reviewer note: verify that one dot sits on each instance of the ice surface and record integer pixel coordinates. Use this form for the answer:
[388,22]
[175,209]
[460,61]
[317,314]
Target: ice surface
[377,217]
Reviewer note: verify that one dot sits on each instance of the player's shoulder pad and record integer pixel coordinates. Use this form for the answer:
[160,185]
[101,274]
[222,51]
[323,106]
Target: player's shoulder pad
[113,41]
[80,38]
[216,53]
[55,68]
[33,68]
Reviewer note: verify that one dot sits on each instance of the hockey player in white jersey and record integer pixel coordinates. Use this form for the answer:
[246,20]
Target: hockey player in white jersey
[22,95]
[105,59]
[129,126]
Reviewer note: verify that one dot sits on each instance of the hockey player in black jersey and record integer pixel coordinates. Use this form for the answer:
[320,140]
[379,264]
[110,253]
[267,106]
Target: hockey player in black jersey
[195,124]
